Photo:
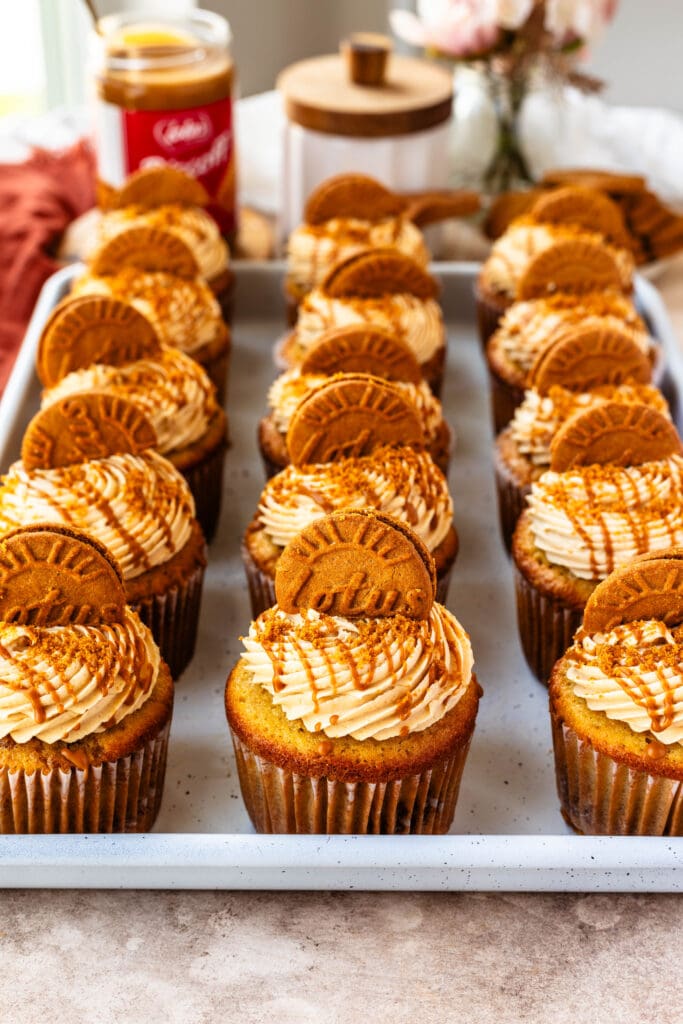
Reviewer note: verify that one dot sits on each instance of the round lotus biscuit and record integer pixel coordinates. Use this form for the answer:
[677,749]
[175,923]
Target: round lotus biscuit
[93,329]
[584,357]
[362,348]
[53,575]
[573,265]
[372,273]
[356,563]
[604,181]
[351,196]
[648,587]
[145,248]
[586,207]
[85,426]
[505,208]
[614,434]
[159,186]
[351,415]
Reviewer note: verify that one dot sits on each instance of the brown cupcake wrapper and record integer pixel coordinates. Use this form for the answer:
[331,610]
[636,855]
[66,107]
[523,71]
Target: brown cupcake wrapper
[281,801]
[226,299]
[505,400]
[270,467]
[601,796]
[217,370]
[511,504]
[546,627]
[262,586]
[173,618]
[291,309]
[115,796]
[205,480]
[489,314]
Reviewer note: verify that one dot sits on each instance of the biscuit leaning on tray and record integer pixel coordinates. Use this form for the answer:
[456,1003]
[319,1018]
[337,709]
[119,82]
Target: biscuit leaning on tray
[584,367]
[616,706]
[95,343]
[353,705]
[157,273]
[359,348]
[382,287]
[529,328]
[355,441]
[572,243]
[351,212]
[88,462]
[168,200]
[614,490]
[85,699]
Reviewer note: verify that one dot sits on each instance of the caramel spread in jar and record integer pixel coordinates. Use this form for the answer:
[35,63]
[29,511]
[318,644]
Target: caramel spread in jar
[164,95]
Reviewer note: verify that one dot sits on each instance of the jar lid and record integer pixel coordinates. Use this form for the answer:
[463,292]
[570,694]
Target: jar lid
[366,91]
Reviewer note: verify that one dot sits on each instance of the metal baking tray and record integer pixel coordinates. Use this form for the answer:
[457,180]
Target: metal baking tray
[508,833]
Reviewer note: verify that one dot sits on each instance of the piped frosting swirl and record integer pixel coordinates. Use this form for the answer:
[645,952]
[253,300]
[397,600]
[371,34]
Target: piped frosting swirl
[365,678]
[63,683]
[138,506]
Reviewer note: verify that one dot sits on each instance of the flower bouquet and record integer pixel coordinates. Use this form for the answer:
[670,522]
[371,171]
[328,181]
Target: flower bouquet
[512,42]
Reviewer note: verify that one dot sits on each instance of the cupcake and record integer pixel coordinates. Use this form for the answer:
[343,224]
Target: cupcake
[99,344]
[353,706]
[182,309]
[85,699]
[614,490]
[382,287]
[355,349]
[159,198]
[528,329]
[354,442]
[343,216]
[615,705]
[573,244]
[87,463]
[583,359]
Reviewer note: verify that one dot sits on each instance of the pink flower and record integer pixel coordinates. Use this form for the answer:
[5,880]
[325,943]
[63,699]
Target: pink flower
[456,28]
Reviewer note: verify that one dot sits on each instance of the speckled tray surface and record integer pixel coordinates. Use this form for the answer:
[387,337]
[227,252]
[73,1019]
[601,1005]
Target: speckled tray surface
[507,833]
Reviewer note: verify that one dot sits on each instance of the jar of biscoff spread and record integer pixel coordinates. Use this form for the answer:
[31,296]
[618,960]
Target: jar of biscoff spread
[164,95]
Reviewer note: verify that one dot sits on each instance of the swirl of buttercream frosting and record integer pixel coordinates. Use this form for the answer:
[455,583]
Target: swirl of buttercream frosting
[538,418]
[138,506]
[185,313]
[632,674]
[172,389]
[62,683]
[191,224]
[401,481]
[594,518]
[291,387]
[417,322]
[524,239]
[364,678]
[312,249]
[528,328]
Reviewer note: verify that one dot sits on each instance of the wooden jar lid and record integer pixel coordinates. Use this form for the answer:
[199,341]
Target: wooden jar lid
[321,94]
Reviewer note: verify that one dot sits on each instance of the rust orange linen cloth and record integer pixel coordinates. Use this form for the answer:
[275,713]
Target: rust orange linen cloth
[38,198]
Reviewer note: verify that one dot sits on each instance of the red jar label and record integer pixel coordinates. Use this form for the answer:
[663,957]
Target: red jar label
[197,140]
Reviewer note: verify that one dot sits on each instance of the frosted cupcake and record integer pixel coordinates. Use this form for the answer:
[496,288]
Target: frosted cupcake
[614,490]
[616,708]
[86,463]
[353,706]
[572,241]
[382,287]
[85,700]
[98,344]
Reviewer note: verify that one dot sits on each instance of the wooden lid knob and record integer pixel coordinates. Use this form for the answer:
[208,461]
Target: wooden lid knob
[366,55]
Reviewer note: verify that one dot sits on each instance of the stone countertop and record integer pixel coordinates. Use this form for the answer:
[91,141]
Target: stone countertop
[306,958]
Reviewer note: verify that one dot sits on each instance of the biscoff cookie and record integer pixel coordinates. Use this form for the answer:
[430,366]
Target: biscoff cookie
[388,703]
[614,434]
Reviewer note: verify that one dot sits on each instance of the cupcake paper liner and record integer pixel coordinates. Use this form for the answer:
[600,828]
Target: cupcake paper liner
[205,480]
[173,618]
[511,502]
[601,796]
[270,467]
[489,314]
[278,800]
[262,586]
[217,370]
[115,796]
[546,627]
[505,400]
